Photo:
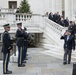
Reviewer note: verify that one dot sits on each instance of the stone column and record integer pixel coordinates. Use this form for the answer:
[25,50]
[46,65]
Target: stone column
[57,6]
[68,9]
[53,8]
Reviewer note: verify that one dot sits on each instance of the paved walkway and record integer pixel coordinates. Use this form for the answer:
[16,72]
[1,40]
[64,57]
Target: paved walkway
[40,64]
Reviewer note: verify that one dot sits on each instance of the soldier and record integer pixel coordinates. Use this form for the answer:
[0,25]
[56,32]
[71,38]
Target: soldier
[20,35]
[25,43]
[69,44]
[6,49]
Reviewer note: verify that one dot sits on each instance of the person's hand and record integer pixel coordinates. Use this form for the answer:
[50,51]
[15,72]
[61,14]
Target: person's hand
[65,33]
[75,34]
[10,51]
[9,47]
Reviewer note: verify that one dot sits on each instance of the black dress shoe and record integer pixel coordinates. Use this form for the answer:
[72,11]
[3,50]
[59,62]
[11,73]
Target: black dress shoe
[64,63]
[21,65]
[8,72]
[24,61]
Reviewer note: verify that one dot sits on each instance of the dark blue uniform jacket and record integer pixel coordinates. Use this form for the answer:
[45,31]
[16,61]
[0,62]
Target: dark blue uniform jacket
[21,37]
[6,42]
[70,43]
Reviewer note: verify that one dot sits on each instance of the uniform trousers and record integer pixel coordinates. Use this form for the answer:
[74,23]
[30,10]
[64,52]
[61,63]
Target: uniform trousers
[20,54]
[6,57]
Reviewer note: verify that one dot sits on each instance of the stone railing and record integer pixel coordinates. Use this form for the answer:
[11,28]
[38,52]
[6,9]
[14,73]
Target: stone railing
[15,16]
[10,16]
[53,35]
[55,27]
[7,10]
[22,17]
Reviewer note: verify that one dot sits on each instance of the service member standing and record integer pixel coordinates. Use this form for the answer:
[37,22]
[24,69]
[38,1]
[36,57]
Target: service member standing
[25,43]
[20,33]
[69,44]
[6,49]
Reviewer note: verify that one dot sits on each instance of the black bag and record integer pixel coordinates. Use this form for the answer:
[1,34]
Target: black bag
[74,69]
[2,49]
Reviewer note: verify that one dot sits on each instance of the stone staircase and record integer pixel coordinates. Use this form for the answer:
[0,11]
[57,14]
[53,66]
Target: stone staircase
[57,52]
[51,40]
[52,33]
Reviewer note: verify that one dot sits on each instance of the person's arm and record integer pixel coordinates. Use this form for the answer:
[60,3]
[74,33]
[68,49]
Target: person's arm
[63,37]
[26,35]
[19,33]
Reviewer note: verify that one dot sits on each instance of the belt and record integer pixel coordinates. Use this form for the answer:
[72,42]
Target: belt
[25,40]
[20,38]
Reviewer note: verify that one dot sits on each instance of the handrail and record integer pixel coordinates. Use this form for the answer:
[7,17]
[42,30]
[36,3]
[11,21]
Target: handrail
[20,13]
[56,27]
[55,24]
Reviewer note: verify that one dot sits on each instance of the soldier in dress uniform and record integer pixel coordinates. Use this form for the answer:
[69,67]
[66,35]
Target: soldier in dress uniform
[20,35]
[6,49]
[25,43]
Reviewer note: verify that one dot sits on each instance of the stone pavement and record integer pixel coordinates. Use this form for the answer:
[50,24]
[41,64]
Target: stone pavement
[40,64]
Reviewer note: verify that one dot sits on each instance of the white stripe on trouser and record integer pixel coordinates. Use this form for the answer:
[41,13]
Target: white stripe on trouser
[5,63]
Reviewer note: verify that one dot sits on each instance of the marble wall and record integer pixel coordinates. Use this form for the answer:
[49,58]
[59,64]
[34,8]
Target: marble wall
[4,3]
[43,6]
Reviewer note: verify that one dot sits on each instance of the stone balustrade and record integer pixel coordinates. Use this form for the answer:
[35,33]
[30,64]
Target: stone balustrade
[56,27]
[7,10]
[15,16]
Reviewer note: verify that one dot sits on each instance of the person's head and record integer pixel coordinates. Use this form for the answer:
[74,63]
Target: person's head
[67,32]
[19,25]
[61,17]
[70,22]
[6,27]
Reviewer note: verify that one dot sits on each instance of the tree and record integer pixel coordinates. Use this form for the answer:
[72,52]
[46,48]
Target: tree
[24,7]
